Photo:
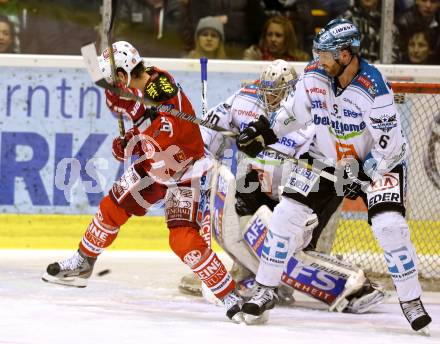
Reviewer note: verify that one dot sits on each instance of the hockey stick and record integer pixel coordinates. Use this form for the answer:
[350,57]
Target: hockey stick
[90,60]
[204,75]
[205,231]
[109,14]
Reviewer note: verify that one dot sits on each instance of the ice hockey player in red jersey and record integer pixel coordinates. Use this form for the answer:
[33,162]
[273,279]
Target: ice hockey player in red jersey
[172,167]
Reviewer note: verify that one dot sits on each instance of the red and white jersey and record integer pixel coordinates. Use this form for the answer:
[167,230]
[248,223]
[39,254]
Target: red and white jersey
[360,121]
[171,146]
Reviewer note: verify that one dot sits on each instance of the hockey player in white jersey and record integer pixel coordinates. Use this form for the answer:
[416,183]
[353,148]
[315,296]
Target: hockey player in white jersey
[241,212]
[352,107]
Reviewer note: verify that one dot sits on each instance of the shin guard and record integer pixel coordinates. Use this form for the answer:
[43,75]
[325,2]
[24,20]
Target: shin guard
[187,243]
[103,229]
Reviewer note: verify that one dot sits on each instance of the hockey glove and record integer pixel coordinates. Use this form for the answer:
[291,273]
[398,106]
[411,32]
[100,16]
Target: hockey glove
[359,183]
[122,149]
[125,105]
[256,137]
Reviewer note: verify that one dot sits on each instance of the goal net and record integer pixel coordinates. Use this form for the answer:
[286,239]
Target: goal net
[419,106]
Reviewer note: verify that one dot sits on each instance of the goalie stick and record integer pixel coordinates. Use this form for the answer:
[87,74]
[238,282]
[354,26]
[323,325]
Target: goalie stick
[91,63]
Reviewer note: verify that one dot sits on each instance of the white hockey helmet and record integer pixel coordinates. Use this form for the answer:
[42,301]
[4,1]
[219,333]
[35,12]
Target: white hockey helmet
[276,81]
[126,57]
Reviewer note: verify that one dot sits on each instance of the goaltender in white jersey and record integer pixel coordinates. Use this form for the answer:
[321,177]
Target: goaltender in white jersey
[352,107]
[241,211]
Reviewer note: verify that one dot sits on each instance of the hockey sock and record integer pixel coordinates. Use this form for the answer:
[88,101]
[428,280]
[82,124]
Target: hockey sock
[187,243]
[104,228]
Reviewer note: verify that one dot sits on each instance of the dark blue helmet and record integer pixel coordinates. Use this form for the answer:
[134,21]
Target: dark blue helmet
[337,35]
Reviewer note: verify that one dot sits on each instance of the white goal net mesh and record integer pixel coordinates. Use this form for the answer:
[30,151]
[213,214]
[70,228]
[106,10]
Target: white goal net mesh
[419,107]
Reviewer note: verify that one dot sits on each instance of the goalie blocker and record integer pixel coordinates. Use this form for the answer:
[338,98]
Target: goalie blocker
[341,286]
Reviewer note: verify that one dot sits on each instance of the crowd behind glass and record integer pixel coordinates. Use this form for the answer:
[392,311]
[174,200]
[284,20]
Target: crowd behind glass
[221,29]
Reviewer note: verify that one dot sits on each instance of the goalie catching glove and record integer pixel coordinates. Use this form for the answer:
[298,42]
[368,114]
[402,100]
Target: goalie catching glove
[256,137]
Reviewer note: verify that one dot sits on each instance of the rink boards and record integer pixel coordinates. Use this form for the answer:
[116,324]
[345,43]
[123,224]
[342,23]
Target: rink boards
[151,233]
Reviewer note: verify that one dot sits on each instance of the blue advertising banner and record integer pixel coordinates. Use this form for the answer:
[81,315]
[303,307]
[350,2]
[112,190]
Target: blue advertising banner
[56,134]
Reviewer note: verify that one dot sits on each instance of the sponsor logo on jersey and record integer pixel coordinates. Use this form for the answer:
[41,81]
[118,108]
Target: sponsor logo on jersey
[285,141]
[384,122]
[318,104]
[368,84]
[339,129]
[316,90]
[246,113]
[351,102]
[351,113]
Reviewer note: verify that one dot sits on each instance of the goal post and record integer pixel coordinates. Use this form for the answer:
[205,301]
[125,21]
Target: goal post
[419,107]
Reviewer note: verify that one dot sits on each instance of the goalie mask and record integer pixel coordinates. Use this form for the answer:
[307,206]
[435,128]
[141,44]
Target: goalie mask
[275,83]
[126,57]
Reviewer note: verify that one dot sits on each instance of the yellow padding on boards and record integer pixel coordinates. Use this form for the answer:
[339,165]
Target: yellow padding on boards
[357,236]
[66,231]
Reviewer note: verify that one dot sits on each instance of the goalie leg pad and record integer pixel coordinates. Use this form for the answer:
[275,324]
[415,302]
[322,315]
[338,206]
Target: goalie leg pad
[190,247]
[104,228]
[226,225]
[392,233]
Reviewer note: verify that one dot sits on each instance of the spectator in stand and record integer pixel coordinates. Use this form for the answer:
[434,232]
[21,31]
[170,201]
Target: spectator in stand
[424,15]
[419,49]
[61,26]
[366,15]
[242,21]
[7,36]
[278,41]
[209,38]
[16,11]
[153,26]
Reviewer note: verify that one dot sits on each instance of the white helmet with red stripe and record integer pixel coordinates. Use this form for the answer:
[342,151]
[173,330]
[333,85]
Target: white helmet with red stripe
[126,57]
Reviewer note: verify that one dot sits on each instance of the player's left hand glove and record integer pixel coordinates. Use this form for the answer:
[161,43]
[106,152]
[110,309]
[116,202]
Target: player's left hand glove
[359,182]
[256,137]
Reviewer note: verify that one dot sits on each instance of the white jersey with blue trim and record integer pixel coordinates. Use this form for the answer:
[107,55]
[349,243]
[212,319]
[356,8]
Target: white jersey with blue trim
[359,121]
[235,114]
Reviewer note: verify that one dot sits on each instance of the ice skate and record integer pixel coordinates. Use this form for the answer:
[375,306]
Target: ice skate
[285,295]
[73,271]
[191,284]
[371,294]
[255,310]
[416,315]
[233,304]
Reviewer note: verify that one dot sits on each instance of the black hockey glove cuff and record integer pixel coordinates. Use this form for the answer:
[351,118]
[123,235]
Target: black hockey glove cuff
[256,137]
[359,183]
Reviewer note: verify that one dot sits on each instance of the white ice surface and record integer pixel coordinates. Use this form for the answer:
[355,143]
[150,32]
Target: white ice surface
[138,302]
